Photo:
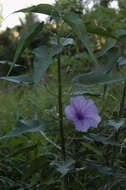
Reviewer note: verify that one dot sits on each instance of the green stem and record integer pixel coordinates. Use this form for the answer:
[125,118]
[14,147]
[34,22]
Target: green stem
[103,100]
[123,100]
[60,107]
[60,100]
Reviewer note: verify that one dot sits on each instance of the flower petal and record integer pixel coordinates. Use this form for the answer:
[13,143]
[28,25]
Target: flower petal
[94,122]
[83,112]
[70,113]
[82,125]
[90,106]
[78,103]
[93,116]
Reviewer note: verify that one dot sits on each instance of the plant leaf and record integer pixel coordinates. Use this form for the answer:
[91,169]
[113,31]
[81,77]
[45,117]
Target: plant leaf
[103,169]
[97,78]
[79,28]
[63,41]
[104,140]
[84,92]
[41,8]
[110,59]
[42,60]
[10,63]
[26,149]
[22,127]
[92,148]
[121,61]
[67,41]
[117,124]
[59,47]
[108,45]
[25,40]
[63,167]
[56,50]
[120,33]
[28,78]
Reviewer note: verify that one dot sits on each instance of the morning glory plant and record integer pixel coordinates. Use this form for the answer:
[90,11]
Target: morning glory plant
[81,162]
[83,112]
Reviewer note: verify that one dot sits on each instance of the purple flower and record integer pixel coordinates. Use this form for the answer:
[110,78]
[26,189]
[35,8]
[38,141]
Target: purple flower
[83,112]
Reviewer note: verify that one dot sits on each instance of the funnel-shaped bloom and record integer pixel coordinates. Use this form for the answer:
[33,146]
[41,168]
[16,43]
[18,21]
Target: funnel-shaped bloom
[83,112]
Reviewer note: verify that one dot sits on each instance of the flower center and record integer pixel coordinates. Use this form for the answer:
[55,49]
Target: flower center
[80,116]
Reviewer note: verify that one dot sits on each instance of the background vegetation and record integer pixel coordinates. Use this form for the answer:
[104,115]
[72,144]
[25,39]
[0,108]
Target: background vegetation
[30,143]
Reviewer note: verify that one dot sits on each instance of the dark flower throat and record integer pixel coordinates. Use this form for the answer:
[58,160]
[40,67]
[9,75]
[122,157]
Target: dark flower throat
[80,116]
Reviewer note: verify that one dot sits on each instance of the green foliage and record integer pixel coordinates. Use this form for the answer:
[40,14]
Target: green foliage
[110,43]
[109,19]
[32,119]
[71,5]
[117,124]
[79,28]
[26,39]
[22,127]
[64,167]
[42,60]
[41,8]
[19,79]
[97,78]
